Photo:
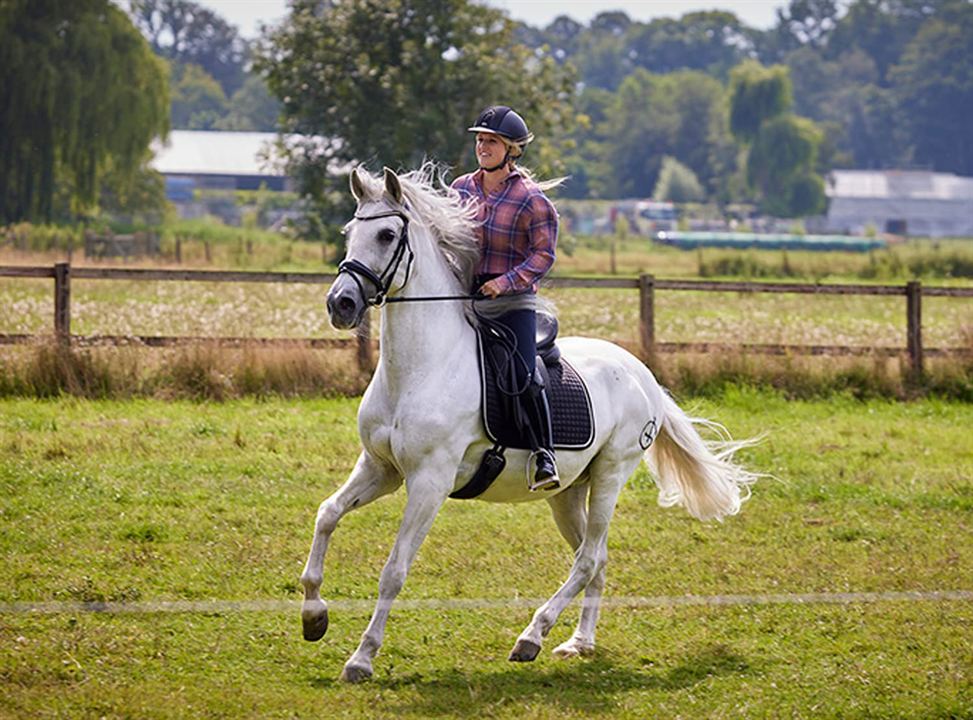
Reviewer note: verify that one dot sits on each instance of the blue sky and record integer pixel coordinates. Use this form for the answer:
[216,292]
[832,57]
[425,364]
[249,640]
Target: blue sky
[248,14]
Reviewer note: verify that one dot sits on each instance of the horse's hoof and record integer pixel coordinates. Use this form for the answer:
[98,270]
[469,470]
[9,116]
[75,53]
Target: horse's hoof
[355,673]
[524,651]
[572,649]
[314,618]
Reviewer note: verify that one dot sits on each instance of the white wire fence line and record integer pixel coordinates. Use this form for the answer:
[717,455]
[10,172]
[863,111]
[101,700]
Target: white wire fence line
[440,604]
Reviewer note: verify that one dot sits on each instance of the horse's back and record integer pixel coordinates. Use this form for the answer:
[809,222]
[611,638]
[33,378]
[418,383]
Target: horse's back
[624,392]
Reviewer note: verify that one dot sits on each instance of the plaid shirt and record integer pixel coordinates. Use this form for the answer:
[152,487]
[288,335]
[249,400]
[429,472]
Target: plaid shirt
[517,231]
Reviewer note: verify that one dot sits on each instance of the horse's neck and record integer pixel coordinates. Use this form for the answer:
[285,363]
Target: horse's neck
[419,338]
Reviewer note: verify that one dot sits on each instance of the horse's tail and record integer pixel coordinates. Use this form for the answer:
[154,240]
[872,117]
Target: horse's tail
[698,474]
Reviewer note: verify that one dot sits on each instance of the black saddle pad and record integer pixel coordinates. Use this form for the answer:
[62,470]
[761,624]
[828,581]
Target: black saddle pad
[571,415]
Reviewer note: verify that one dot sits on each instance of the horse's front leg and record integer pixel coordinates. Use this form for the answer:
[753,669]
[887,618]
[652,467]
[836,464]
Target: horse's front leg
[427,493]
[371,479]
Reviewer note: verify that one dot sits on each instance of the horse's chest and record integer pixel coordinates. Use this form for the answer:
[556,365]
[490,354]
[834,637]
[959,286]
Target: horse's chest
[394,432]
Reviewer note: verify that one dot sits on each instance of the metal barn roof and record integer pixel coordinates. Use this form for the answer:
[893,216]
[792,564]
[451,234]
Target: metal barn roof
[899,185]
[199,152]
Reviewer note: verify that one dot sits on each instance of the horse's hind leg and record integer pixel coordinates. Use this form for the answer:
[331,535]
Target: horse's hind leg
[608,476]
[571,517]
[368,481]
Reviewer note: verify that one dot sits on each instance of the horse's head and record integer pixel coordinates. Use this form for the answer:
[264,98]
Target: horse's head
[378,258]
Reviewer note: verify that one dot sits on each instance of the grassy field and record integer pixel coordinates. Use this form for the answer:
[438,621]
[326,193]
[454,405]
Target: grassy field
[210,507]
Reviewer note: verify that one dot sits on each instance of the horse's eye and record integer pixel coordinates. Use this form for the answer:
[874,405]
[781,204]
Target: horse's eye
[385,235]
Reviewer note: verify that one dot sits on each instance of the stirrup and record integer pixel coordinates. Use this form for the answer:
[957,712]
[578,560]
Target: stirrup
[550,483]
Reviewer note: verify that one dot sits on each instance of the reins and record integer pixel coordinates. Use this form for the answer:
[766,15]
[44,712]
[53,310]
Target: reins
[502,336]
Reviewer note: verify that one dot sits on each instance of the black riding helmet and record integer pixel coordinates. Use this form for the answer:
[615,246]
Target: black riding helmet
[501,120]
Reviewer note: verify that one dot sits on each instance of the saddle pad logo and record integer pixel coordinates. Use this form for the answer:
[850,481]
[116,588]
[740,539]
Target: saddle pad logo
[647,437]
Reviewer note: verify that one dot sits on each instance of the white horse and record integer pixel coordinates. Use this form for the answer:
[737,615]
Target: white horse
[420,420]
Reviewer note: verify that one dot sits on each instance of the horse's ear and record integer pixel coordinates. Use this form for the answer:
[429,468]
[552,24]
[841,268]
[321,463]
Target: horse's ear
[357,186]
[392,186]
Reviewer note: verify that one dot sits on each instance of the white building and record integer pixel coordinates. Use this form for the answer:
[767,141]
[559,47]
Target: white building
[192,159]
[902,202]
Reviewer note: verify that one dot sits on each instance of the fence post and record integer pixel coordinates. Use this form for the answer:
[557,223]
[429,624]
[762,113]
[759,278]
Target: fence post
[647,314]
[913,311]
[62,302]
[365,343]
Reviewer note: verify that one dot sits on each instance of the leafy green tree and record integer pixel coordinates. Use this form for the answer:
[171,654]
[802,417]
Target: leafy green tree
[712,41]
[252,108]
[585,158]
[396,82]
[933,84]
[882,29]
[651,116]
[781,165]
[80,90]
[757,94]
[185,32]
[198,101]
[677,183]
[600,56]
[801,24]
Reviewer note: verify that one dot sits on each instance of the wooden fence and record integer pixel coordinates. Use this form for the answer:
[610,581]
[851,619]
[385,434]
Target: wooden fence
[646,285]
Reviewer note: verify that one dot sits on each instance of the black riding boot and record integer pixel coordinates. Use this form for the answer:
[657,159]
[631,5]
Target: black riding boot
[541,436]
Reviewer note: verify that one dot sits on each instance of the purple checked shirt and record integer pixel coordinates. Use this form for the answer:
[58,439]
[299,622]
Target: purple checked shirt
[518,230]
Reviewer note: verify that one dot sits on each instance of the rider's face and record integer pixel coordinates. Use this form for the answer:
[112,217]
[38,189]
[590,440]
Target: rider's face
[490,150]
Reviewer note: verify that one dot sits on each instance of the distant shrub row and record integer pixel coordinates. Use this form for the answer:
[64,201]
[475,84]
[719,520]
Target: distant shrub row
[918,260]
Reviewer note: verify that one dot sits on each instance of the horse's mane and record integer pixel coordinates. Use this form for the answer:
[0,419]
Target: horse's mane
[441,210]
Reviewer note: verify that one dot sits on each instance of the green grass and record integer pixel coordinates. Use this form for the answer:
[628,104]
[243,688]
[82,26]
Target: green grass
[145,501]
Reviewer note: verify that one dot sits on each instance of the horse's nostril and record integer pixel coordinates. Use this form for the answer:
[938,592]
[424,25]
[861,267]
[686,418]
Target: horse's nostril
[346,304]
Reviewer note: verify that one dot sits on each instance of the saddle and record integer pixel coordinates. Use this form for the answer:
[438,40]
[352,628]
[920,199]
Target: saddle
[572,418]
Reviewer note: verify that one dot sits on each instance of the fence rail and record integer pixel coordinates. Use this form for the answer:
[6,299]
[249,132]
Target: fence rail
[646,285]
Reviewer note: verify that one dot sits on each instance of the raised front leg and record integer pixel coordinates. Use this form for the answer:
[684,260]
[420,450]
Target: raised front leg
[369,480]
[427,493]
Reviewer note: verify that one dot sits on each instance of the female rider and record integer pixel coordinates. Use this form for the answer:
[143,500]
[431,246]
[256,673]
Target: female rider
[518,235]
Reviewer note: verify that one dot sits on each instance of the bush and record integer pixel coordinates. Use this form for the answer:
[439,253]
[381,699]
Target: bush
[677,183]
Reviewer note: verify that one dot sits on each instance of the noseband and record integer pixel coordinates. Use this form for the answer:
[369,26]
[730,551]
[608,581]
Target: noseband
[383,282]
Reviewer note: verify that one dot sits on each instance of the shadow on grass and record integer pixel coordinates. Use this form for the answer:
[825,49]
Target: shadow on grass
[591,686]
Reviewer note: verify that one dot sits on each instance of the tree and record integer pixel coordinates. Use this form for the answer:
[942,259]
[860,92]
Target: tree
[252,107]
[804,23]
[80,90]
[712,41]
[198,101]
[187,33]
[651,116]
[882,29]
[677,183]
[933,84]
[393,83]
[757,93]
[781,166]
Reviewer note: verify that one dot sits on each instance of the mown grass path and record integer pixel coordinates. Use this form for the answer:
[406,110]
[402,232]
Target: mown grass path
[211,506]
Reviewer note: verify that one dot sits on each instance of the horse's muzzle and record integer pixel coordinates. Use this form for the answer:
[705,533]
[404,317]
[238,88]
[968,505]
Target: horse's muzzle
[346,306]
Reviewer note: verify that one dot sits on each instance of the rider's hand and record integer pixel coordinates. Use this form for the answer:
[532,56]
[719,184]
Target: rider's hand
[491,289]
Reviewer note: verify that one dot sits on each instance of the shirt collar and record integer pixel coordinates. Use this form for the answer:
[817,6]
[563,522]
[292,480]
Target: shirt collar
[478,176]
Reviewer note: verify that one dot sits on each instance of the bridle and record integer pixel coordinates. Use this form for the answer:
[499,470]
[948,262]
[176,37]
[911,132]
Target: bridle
[383,282]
